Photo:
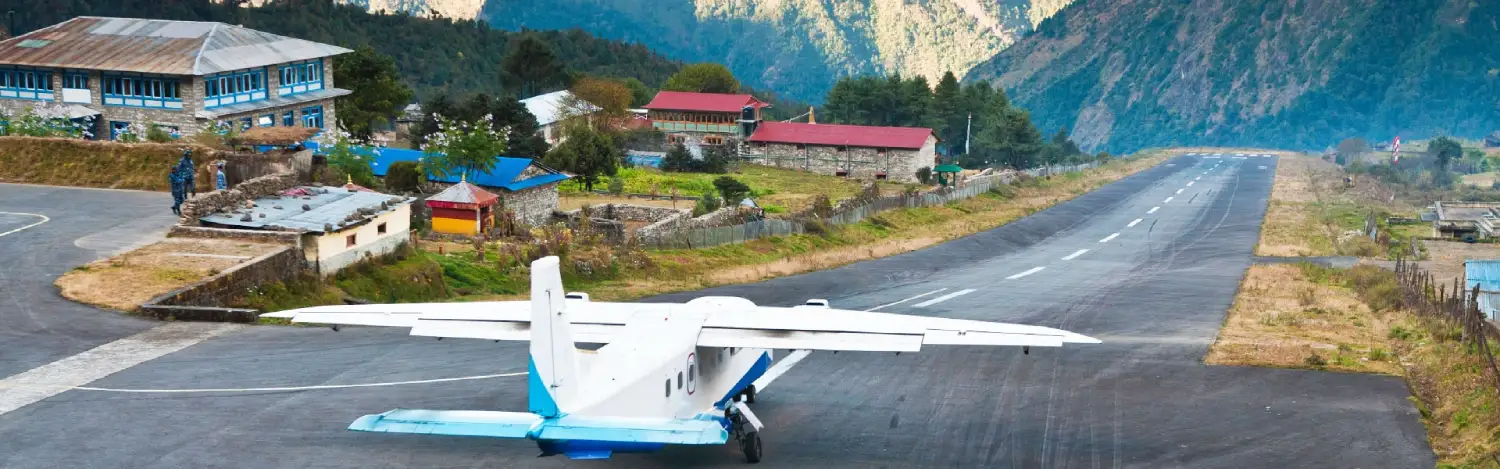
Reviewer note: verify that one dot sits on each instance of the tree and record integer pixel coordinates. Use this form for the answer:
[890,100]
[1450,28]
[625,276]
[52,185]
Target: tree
[337,147]
[403,176]
[530,68]
[731,189]
[1065,143]
[1352,147]
[945,104]
[703,78]
[586,153]
[640,94]
[461,147]
[376,91]
[611,97]
[678,159]
[1444,150]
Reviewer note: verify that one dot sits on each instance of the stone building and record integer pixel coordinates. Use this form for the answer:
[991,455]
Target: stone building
[866,152]
[337,226]
[525,187]
[703,119]
[182,75]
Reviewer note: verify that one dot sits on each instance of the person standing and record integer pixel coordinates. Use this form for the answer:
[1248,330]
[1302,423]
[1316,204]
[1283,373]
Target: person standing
[185,171]
[179,193]
[220,183]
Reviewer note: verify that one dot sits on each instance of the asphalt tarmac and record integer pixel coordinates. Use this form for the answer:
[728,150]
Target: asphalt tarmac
[1149,276]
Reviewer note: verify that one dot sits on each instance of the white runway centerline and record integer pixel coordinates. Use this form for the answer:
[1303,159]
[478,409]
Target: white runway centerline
[1133,223]
[1179,191]
[53,378]
[1169,199]
[1075,254]
[1190,183]
[943,298]
[1023,274]
[1153,210]
[1107,238]
[887,305]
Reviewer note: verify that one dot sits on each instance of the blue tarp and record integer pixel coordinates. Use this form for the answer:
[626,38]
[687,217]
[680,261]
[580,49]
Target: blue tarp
[503,175]
[1485,274]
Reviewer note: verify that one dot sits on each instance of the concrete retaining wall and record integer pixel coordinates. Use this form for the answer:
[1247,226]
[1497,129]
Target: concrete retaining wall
[257,236]
[201,301]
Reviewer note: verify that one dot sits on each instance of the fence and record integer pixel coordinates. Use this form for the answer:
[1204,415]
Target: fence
[1423,296]
[721,235]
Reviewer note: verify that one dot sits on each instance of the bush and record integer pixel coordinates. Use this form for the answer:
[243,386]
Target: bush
[404,176]
[731,189]
[616,186]
[815,226]
[924,174]
[1004,191]
[1315,360]
[708,202]
[156,134]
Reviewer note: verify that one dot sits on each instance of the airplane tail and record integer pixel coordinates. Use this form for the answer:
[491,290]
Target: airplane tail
[553,377]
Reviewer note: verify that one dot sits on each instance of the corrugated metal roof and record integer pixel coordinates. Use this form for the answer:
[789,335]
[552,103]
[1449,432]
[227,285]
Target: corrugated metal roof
[271,102]
[842,135]
[502,176]
[464,193]
[1485,273]
[157,46]
[548,108]
[707,102]
[329,209]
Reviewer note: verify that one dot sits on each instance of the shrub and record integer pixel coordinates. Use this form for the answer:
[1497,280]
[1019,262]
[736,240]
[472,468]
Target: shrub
[1004,191]
[616,186]
[1315,360]
[815,226]
[731,189]
[709,202]
[403,176]
[156,134]
[924,174]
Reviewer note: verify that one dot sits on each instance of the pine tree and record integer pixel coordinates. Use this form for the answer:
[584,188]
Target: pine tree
[531,68]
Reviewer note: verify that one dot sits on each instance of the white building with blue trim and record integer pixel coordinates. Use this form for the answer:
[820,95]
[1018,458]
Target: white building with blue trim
[126,73]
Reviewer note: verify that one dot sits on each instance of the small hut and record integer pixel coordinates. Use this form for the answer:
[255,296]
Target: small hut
[947,174]
[463,209]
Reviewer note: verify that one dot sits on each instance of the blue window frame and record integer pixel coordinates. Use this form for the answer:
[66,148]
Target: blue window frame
[301,77]
[116,128]
[312,117]
[268,120]
[141,91]
[77,81]
[21,83]
[234,87]
[245,124]
[289,119]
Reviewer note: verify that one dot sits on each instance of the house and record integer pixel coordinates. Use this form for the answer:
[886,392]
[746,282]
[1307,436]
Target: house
[463,209]
[338,225]
[552,108]
[703,119]
[525,187]
[893,153]
[1465,220]
[185,76]
[1492,140]
[411,116]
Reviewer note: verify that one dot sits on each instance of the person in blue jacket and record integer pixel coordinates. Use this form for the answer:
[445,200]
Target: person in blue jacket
[220,182]
[181,180]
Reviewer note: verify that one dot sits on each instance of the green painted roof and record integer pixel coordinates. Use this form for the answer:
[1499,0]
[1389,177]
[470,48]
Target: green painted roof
[948,168]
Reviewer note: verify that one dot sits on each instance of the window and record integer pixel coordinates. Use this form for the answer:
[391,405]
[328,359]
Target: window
[234,87]
[349,241]
[141,91]
[268,120]
[245,124]
[289,119]
[301,78]
[76,81]
[380,229]
[25,84]
[313,117]
[713,140]
[692,371]
[676,139]
[679,380]
[669,387]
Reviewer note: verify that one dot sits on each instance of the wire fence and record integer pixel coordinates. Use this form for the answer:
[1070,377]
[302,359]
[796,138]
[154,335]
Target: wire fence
[1424,296]
[733,234]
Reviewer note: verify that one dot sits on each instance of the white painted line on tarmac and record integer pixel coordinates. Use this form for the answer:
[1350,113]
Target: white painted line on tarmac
[1023,274]
[887,305]
[1075,254]
[53,378]
[1169,199]
[1179,191]
[302,388]
[1107,238]
[943,298]
[1190,183]
[18,230]
[1197,178]
[1133,223]
[1153,210]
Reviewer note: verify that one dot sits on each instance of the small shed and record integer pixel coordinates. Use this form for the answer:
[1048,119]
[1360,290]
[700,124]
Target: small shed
[463,209]
[1484,273]
[947,174]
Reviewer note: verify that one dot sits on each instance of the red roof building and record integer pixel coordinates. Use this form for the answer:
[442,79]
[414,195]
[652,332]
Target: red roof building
[907,138]
[703,102]
[700,118]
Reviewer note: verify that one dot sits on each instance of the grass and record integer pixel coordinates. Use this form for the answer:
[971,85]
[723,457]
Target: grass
[126,281]
[1453,392]
[403,277]
[1313,213]
[789,189]
[83,163]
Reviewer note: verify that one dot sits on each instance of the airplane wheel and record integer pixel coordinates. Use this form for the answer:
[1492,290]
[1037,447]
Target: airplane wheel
[750,394]
[751,446]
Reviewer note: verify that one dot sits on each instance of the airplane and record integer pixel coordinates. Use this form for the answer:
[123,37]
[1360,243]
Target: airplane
[666,373]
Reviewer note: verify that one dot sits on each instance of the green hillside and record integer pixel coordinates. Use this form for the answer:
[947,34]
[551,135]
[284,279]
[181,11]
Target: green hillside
[1127,74]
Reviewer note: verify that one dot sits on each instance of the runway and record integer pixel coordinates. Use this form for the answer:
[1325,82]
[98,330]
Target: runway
[1148,264]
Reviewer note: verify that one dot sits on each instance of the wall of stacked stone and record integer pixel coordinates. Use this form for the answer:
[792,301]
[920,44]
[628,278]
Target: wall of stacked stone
[858,162]
[204,300]
[532,206]
[205,204]
[289,238]
[629,212]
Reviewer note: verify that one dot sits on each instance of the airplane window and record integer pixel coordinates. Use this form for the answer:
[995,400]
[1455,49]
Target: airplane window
[679,380]
[692,372]
[669,387]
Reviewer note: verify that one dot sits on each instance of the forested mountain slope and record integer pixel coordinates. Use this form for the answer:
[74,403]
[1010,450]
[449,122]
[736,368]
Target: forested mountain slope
[1127,74]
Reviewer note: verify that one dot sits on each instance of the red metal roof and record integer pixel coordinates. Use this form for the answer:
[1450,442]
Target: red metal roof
[842,135]
[709,102]
[462,195]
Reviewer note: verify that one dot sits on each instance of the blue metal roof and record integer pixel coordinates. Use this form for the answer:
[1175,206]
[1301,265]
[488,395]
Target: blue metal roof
[503,175]
[1485,273]
[327,208]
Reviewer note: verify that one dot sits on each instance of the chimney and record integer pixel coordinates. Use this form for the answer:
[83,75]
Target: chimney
[811,118]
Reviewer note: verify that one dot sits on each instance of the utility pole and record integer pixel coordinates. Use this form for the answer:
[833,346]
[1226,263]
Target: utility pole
[968,129]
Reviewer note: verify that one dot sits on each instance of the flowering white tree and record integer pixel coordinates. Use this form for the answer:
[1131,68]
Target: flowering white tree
[463,147]
[135,132]
[44,120]
[337,145]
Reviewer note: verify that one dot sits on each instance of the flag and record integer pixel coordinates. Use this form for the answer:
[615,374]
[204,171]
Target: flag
[1396,153]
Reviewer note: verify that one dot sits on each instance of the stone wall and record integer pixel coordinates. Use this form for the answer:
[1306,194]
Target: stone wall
[532,206]
[289,238]
[630,212]
[855,162]
[204,204]
[207,296]
[722,217]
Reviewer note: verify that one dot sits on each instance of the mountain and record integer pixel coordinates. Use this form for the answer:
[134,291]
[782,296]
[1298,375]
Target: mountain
[797,47]
[1128,74]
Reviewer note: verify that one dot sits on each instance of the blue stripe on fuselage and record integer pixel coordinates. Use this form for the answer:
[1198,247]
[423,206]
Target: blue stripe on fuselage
[756,371]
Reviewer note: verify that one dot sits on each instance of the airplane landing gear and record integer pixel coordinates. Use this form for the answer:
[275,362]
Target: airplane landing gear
[745,428]
[750,394]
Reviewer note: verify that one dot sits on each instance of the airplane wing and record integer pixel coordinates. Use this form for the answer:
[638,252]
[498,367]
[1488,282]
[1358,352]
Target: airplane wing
[730,322]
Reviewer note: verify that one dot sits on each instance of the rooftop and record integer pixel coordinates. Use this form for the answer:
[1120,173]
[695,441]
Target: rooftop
[911,138]
[311,209]
[506,174]
[551,107]
[464,193]
[707,102]
[156,46]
